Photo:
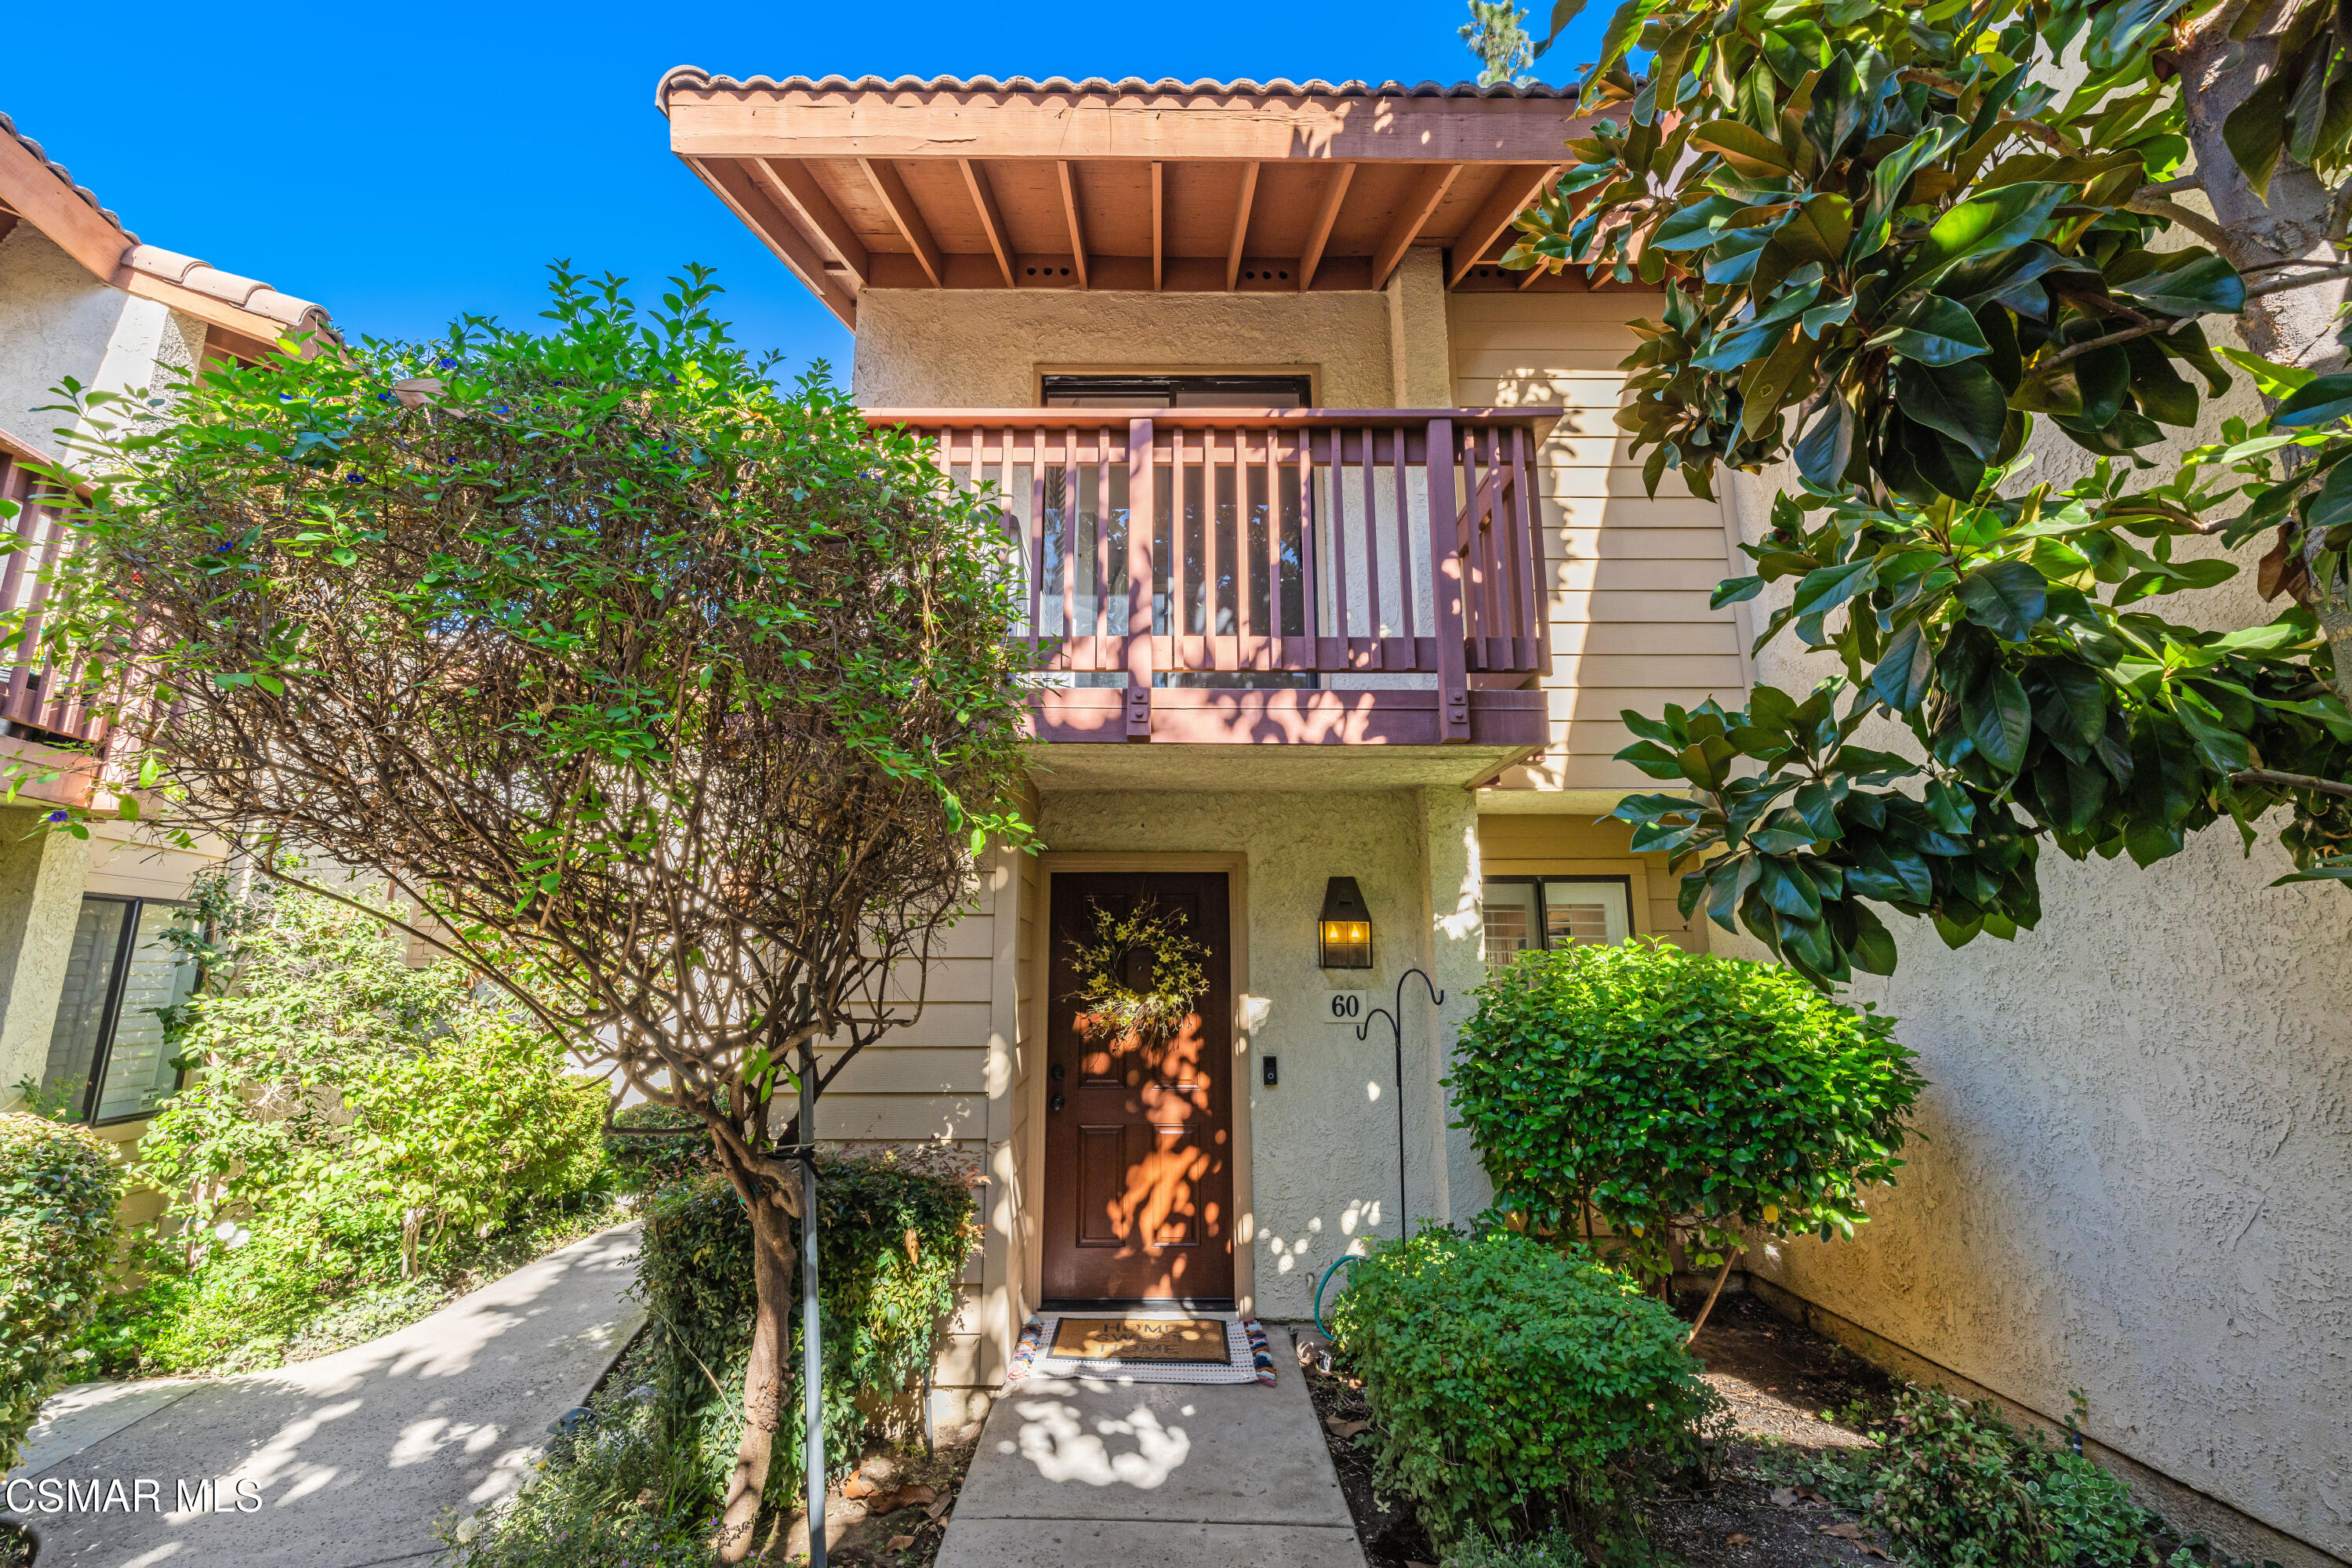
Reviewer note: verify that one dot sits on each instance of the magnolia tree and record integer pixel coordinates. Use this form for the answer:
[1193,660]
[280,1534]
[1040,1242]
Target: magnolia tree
[678,706]
[1892,239]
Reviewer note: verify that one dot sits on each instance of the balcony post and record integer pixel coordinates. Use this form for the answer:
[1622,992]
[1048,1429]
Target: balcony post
[1143,524]
[1445,591]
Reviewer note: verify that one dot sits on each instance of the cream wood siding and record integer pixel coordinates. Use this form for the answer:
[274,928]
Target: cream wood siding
[1551,844]
[1628,576]
[944,1085]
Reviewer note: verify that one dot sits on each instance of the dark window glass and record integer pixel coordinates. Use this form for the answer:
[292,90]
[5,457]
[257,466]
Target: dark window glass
[1524,914]
[106,1059]
[1177,390]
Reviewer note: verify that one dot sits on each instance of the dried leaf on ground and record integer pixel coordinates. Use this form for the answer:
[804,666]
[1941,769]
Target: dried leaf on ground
[1845,1529]
[900,1543]
[1345,1428]
[1783,1497]
[1738,1540]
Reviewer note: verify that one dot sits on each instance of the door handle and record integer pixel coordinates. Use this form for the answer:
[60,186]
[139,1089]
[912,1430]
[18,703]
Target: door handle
[1054,1104]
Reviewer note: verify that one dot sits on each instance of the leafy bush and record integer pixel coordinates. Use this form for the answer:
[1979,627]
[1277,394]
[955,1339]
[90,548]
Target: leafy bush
[648,1164]
[1557,1549]
[1960,1486]
[1955,1485]
[1514,1387]
[357,1123]
[891,1245]
[1666,1090]
[59,1191]
[580,1505]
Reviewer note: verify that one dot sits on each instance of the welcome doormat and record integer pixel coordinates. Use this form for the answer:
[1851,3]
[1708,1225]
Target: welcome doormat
[1141,1340]
[1144,1350]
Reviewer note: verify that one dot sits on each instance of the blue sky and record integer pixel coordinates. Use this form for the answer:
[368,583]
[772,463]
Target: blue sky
[401,164]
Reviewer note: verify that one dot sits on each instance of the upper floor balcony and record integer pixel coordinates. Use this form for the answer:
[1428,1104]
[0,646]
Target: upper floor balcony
[1320,576]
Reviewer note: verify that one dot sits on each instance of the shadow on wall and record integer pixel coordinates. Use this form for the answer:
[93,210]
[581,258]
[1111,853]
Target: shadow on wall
[341,1461]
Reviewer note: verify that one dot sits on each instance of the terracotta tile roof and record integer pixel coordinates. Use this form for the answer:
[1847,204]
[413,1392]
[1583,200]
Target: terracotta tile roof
[8,127]
[1281,87]
[246,293]
[153,261]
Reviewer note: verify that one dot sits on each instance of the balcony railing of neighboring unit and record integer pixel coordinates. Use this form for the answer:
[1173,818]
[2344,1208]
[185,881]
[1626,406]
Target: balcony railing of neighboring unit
[40,536]
[1338,576]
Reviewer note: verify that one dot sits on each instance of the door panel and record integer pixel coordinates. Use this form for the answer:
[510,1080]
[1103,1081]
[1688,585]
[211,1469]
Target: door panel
[1139,1152]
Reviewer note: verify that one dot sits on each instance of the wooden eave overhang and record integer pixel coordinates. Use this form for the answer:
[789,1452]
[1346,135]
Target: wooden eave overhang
[1245,187]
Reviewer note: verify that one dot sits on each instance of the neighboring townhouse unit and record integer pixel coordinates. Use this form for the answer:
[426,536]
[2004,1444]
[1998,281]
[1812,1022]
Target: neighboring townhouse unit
[81,970]
[1340,569]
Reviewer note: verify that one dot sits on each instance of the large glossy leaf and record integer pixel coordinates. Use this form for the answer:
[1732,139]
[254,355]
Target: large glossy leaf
[1745,148]
[1935,331]
[1998,719]
[2255,132]
[1991,224]
[2321,401]
[1962,401]
[1827,444]
[2005,598]
[1694,226]
[1820,229]
[2207,286]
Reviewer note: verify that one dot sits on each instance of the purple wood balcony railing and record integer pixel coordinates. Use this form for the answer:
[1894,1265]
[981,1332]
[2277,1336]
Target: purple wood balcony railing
[1331,575]
[40,534]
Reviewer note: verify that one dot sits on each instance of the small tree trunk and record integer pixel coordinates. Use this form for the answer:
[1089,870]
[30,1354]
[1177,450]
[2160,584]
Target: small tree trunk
[2288,222]
[766,1377]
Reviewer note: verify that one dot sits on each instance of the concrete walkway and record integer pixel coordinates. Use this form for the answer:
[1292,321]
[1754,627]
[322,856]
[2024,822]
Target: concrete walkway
[1090,1474]
[349,1459]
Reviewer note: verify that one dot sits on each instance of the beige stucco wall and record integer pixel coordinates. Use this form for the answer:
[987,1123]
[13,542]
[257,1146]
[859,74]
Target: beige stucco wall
[2138,1163]
[1323,1142]
[57,321]
[933,348]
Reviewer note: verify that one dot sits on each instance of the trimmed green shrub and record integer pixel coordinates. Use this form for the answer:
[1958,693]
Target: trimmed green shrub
[1674,1092]
[59,1191]
[891,1244]
[1514,1387]
[1556,1549]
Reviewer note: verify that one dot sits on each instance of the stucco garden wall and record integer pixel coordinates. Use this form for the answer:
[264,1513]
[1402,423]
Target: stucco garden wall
[2138,1169]
[1322,1143]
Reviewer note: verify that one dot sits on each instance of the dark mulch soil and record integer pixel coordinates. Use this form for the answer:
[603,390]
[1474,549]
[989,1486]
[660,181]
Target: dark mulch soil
[1391,1537]
[1788,1388]
[892,1523]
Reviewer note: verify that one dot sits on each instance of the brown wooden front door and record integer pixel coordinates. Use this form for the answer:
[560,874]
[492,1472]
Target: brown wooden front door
[1139,1133]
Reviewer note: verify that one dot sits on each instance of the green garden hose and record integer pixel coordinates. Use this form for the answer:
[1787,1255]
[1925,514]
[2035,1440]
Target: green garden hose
[1347,1259]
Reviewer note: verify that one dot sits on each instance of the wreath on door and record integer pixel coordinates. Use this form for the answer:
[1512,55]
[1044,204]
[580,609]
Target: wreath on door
[1142,973]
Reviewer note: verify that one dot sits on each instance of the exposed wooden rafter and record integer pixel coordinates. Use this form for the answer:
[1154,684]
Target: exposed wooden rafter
[908,218]
[1070,212]
[1159,225]
[1190,189]
[795,190]
[1325,215]
[751,202]
[1411,218]
[992,221]
[1521,184]
[1240,224]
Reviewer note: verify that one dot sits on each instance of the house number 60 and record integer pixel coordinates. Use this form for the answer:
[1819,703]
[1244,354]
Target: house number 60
[1347,1007]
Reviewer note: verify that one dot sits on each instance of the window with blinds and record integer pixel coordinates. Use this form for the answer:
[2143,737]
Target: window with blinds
[1528,913]
[108,1059]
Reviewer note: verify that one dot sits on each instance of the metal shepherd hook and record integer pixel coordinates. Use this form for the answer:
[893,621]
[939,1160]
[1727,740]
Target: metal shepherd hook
[1396,1034]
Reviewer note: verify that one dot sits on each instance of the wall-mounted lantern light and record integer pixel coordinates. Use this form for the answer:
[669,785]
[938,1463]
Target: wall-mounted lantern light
[1347,928]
